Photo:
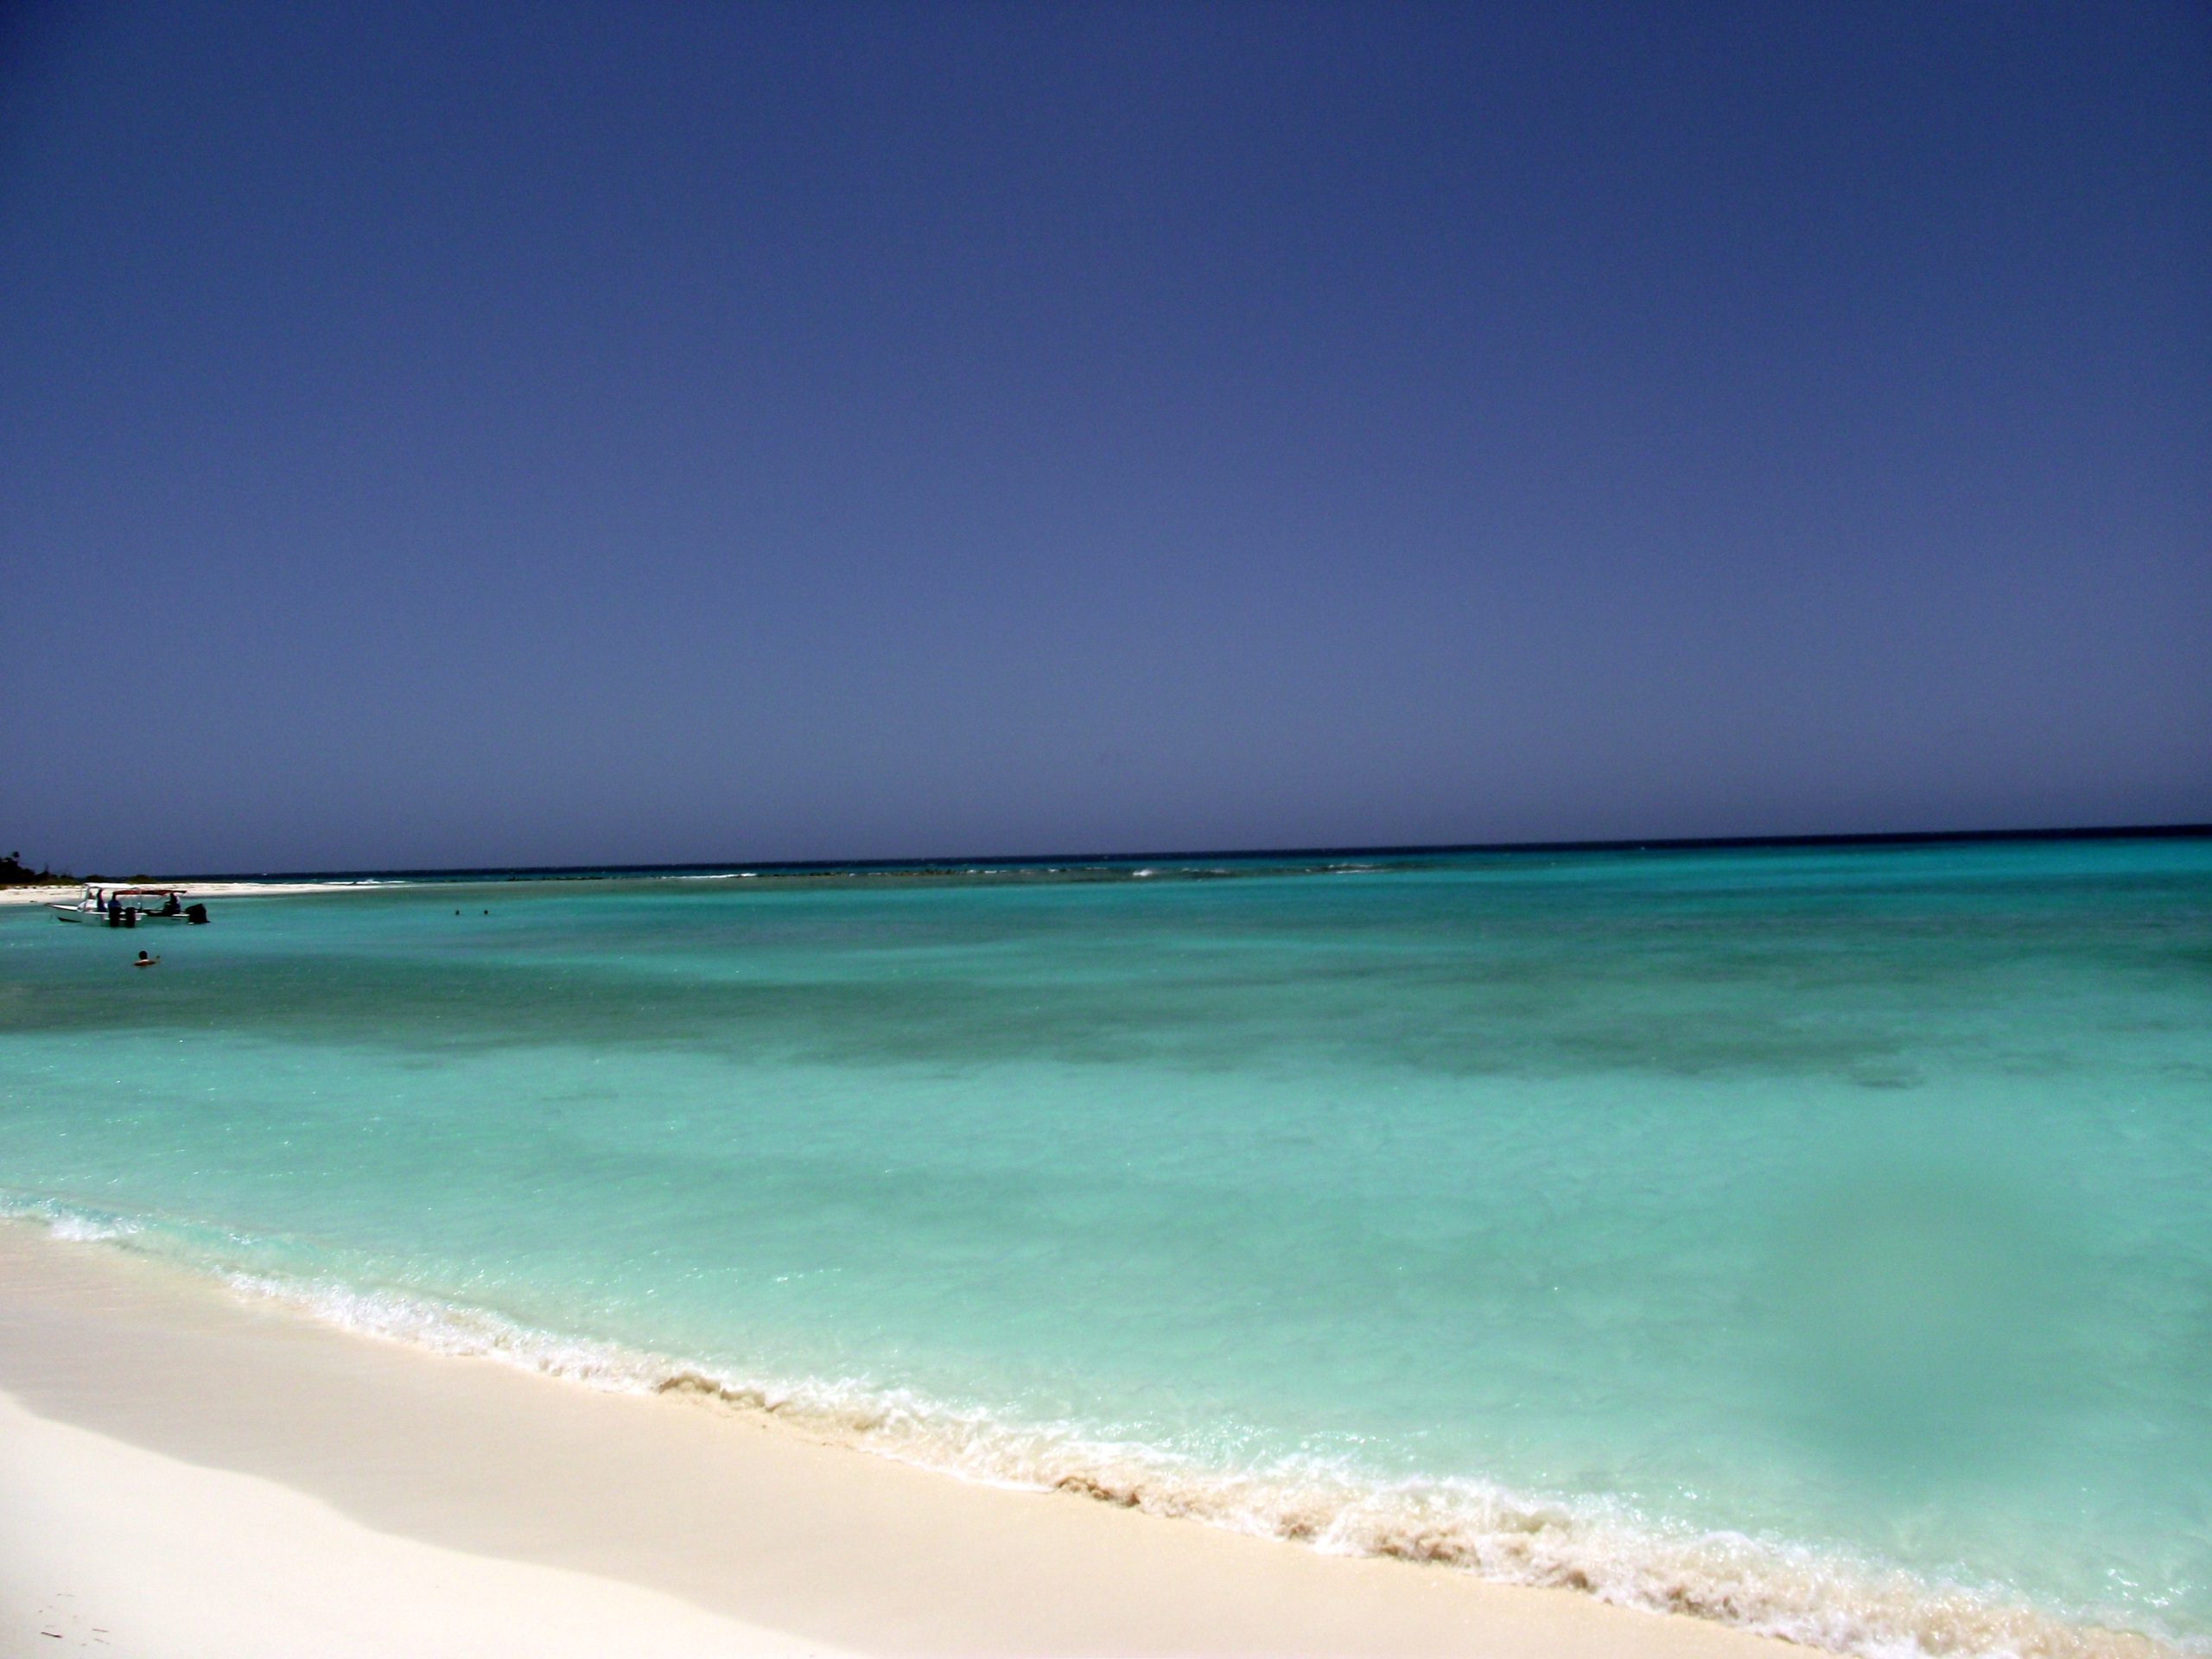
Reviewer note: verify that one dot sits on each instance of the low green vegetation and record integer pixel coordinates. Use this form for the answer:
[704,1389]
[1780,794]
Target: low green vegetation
[14,873]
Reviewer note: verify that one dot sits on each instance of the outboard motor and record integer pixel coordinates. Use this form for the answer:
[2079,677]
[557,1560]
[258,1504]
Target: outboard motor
[196,914]
[114,914]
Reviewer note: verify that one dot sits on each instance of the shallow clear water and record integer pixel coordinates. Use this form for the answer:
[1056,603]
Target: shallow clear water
[1817,1238]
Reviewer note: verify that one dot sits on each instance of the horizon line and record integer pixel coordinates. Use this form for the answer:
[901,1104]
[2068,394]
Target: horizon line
[1661,843]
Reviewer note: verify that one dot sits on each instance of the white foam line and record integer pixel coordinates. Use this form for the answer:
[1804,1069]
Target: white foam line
[1816,1599]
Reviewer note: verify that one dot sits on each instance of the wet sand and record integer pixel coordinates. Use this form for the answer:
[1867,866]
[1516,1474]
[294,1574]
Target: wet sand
[185,1472]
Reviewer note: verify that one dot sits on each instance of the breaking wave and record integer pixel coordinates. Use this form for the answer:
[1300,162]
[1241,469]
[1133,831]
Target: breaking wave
[69,1223]
[1816,1597]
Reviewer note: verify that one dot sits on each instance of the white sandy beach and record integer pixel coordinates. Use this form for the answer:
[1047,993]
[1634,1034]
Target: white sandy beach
[104,1546]
[185,1473]
[74,890]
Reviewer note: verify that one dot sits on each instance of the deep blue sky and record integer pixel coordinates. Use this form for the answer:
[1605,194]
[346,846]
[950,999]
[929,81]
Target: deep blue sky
[468,434]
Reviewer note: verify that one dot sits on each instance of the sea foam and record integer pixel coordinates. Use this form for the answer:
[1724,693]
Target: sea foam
[1819,1598]
[1823,1599]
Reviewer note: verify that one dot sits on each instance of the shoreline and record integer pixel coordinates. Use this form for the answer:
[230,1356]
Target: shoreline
[652,1511]
[71,892]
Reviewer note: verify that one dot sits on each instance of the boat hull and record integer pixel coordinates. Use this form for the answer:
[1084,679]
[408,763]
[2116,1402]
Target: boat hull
[96,918]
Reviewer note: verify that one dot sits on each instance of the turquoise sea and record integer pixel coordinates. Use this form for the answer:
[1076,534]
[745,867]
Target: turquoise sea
[1818,1239]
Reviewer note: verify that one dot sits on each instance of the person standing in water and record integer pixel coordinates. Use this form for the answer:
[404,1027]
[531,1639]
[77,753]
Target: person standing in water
[145,961]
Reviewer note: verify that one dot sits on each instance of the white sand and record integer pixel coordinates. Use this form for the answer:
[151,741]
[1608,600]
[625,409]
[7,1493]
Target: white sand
[195,890]
[106,1547]
[184,1473]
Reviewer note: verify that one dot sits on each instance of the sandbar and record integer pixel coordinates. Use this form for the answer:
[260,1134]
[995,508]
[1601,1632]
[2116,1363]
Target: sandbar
[73,891]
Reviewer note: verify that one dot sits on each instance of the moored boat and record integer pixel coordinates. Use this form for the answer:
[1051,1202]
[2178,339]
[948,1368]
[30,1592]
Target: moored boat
[129,906]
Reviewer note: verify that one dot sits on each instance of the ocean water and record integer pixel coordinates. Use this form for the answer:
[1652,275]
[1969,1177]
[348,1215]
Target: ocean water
[1814,1239]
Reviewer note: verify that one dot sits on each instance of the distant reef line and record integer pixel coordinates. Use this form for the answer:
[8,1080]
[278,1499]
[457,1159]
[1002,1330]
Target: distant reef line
[1118,865]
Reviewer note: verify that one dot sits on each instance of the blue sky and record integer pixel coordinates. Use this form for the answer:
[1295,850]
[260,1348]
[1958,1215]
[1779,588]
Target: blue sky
[457,435]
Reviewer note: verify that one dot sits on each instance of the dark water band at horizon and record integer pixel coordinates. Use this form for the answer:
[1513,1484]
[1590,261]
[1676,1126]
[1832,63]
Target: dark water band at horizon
[1258,860]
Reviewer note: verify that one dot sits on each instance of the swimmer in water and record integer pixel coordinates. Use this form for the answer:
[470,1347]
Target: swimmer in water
[145,961]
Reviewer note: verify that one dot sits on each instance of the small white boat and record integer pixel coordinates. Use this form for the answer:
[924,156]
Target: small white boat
[129,906]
